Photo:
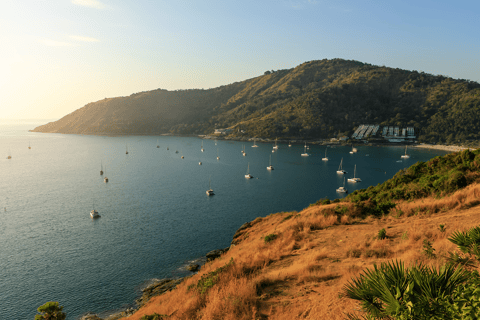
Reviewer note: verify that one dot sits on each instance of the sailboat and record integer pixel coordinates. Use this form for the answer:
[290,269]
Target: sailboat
[94,213]
[354,179]
[126,148]
[105,179]
[342,189]
[243,151]
[305,154]
[168,148]
[405,156]
[325,159]
[215,141]
[248,175]
[275,146]
[202,147]
[270,167]
[289,143]
[210,192]
[340,168]
[29,145]
[218,158]
[9,154]
[254,144]
[354,150]
[101,168]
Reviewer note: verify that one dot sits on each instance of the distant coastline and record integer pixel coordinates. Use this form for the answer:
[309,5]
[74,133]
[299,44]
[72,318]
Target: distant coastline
[442,147]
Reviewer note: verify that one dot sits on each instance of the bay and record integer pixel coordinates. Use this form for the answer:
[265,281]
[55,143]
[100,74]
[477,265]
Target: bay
[155,215]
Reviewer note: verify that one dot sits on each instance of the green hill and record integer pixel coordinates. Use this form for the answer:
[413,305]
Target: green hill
[317,99]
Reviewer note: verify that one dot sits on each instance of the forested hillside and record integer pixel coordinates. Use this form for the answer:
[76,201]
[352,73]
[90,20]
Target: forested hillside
[317,99]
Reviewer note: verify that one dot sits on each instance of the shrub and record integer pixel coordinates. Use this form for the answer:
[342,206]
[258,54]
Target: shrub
[50,311]
[441,228]
[428,250]
[382,234]
[154,316]
[270,237]
[210,279]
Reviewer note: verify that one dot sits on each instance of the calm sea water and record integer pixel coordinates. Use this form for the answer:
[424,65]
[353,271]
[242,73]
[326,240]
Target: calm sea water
[155,215]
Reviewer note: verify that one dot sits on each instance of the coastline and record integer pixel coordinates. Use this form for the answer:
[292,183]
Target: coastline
[442,147]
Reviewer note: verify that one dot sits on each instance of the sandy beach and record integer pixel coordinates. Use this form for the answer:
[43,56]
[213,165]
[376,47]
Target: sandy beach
[442,147]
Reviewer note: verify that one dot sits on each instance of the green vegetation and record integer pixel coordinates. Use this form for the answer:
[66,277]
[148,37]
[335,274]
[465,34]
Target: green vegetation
[428,250]
[382,234]
[210,279]
[438,177]
[392,291]
[50,311]
[317,99]
[270,237]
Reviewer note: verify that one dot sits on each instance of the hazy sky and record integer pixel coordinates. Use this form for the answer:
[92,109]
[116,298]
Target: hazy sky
[58,55]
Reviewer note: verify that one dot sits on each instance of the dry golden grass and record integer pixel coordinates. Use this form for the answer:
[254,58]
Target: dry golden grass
[300,273]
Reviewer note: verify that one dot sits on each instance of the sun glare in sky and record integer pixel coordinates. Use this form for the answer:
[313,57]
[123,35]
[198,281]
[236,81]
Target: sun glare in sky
[58,55]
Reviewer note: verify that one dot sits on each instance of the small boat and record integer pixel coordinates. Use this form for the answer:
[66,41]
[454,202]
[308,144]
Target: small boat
[218,158]
[340,168]
[168,148]
[200,163]
[243,151]
[101,168]
[254,144]
[342,189]
[182,157]
[405,156]
[9,154]
[210,192]
[94,214]
[325,159]
[202,147]
[248,175]
[305,154]
[176,151]
[354,150]
[215,141]
[105,179]
[354,179]
[158,146]
[126,148]
[275,146]
[289,144]
[29,145]
[270,167]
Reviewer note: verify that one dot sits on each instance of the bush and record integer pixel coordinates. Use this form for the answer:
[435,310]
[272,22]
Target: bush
[50,311]
[428,250]
[270,238]
[382,234]
[154,316]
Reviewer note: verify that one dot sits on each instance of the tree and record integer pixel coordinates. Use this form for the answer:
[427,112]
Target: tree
[50,311]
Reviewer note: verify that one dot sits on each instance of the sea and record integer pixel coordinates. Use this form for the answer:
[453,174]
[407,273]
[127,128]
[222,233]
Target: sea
[155,215]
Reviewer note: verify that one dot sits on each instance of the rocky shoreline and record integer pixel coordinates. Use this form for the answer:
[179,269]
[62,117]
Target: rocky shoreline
[157,288]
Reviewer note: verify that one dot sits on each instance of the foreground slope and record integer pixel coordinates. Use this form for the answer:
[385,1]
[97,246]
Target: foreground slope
[317,99]
[294,265]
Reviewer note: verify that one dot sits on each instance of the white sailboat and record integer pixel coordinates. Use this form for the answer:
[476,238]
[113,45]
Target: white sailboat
[354,179]
[210,192]
[305,154]
[342,189]
[202,147]
[325,159]
[275,146]
[405,156]
[105,179]
[289,144]
[94,213]
[248,175]
[243,151]
[270,167]
[354,150]
[340,168]
[254,144]
[218,158]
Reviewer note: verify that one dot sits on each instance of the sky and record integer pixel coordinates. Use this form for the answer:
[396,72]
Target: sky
[58,55]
